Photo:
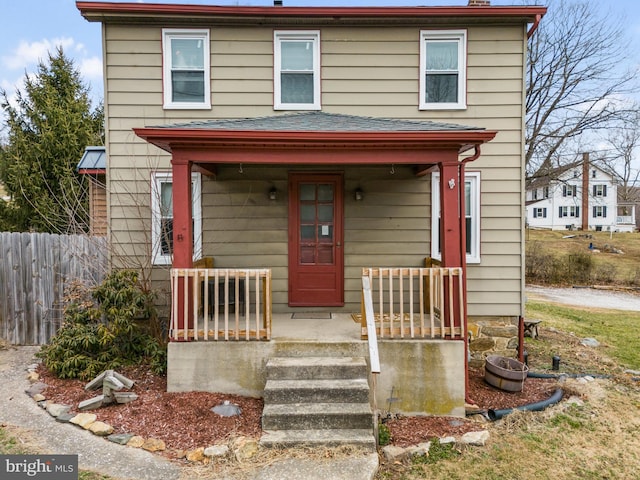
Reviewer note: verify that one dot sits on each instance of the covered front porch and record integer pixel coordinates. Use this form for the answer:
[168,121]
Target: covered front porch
[217,312]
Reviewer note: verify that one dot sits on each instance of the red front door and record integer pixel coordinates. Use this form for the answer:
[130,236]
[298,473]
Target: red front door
[316,262]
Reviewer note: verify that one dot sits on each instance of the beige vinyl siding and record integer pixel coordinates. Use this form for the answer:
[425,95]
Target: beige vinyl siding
[365,71]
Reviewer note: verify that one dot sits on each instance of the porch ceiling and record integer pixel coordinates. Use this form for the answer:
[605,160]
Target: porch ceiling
[326,139]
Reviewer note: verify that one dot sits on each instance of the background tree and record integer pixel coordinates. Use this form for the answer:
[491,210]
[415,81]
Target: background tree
[574,81]
[48,126]
[624,140]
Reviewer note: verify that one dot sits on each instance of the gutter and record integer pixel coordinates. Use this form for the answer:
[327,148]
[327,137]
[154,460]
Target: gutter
[534,27]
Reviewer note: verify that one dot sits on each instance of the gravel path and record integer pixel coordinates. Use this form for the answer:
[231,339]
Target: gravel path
[587,297]
[94,453]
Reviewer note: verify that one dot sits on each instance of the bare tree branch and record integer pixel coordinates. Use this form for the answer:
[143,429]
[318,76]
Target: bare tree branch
[575,83]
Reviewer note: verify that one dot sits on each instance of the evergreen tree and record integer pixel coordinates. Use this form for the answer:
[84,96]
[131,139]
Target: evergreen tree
[47,130]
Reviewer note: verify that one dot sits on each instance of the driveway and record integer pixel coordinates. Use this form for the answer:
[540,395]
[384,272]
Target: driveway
[587,297]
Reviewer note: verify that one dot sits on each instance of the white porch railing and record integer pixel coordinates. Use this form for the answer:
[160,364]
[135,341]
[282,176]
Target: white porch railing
[410,302]
[221,304]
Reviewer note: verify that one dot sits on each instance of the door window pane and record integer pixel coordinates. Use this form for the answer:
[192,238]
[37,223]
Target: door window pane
[325,193]
[307,192]
[325,255]
[307,213]
[308,232]
[325,213]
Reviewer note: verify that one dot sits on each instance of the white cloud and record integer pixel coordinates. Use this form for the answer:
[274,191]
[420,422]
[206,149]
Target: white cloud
[91,68]
[31,53]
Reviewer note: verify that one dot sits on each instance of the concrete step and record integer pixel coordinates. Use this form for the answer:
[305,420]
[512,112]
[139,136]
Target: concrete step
[318,368]
[326,438]
[352,390]
[317,416]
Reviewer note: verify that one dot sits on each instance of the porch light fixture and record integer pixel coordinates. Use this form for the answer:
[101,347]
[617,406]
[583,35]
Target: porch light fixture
[358,194]
[273,194]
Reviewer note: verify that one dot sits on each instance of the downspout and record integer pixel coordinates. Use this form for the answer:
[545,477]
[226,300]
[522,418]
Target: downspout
[534,27]
[463,261]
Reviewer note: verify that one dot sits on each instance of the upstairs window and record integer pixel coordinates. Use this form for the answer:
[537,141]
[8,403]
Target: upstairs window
[443,58]
[569,190]
[599,190]
[296,70]
[186,69]
[162,217]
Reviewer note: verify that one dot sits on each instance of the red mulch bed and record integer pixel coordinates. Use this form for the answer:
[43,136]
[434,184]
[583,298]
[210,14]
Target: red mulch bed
[185,420]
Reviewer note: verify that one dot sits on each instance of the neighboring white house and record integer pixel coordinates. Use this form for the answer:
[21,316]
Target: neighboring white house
[555,200]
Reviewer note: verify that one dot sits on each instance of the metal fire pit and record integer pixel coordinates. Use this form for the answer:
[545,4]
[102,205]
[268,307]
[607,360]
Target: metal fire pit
[505,373]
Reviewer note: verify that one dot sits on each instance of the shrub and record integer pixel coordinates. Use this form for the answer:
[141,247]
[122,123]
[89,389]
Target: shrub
[100,332]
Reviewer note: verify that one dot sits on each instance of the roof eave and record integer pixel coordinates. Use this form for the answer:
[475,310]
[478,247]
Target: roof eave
[170,138]
[132,12]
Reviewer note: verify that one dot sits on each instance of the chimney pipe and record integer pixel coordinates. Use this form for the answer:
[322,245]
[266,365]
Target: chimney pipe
[585,191]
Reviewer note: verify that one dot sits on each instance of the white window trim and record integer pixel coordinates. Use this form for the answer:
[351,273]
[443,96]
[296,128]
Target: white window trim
[474,179]
[167,35]
[157,179]
[461,37]
[309,35]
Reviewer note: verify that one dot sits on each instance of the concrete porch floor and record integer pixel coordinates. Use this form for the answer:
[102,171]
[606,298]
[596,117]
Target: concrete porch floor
[339,328]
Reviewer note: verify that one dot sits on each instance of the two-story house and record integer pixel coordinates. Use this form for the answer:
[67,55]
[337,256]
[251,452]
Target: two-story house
[271,166]
[556,200]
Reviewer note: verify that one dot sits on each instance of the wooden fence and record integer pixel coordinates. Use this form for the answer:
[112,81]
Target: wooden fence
[35,270]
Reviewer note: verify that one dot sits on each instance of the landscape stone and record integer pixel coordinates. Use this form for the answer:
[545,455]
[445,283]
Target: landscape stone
[92,403]
[196,455]
[244,448]
[56,409]
[393,453]
[65,417]
[35,389]
[589,342]
[136,441]
[475,438]
[446,440]
[120,438]
[38,397]
[482,344]
[153,445]
[506,331]
[216,451]
[420,449]
[101,429]
[84,420]
[33,377]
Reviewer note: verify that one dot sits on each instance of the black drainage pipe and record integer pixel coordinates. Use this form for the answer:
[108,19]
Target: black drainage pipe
[531,407]
[531,374]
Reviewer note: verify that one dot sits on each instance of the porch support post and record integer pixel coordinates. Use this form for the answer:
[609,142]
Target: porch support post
[453,244]
[182,234]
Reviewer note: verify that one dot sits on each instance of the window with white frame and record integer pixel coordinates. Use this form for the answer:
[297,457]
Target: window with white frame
[569,190]
[572,211]
[600,211]
[443,67]
[539,213]
[162,217]
[599,190]
[186,69]
[472,216]
[296,70]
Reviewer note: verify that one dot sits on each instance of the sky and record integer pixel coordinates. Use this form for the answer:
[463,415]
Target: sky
[29,29]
